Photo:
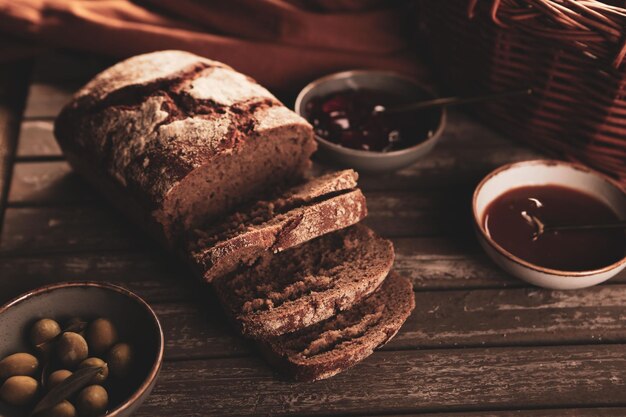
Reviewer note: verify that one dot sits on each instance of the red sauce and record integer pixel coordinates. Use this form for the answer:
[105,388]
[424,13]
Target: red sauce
[571,250]
[347,118]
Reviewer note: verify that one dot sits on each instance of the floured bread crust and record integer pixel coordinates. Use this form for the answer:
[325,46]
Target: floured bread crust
[151,121]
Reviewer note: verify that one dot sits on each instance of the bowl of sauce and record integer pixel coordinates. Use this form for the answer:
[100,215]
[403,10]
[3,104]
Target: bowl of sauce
[509,201]
[342,109]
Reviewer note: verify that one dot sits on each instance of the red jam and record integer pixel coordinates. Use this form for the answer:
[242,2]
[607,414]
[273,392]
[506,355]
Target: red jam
[566,250]
[347,118]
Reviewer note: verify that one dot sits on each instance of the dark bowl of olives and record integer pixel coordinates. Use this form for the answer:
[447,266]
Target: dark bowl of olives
[77,349]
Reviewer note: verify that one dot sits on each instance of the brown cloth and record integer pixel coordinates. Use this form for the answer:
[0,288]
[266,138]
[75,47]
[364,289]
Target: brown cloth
[281,43]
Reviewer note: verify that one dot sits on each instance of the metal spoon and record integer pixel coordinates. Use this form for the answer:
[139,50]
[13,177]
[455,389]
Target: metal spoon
[450,101]
[541,227]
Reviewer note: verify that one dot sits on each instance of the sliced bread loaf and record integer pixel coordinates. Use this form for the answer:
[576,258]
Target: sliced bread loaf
[177,138]
[306,284]
[287,219]
[329,347]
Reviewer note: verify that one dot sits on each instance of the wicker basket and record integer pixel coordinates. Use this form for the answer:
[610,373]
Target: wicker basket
[570,52]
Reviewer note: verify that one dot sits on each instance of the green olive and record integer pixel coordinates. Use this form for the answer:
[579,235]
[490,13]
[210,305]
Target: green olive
[72,349]
[43,331]
[120,359]
[18,390]
[62,409]
[101,335]
[57,377]
[92,401]
[101,376]
[18,364]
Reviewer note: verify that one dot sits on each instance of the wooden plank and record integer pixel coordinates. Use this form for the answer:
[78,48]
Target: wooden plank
[38,183]
[195,326]
[33,230]
[400,382]
[36,141]
[442,319]
[200,330]
[13,78]
[42,175]
[448,168]
[153,276]
[526,316]
[456,262]
[45,100]
[561,412]
[431,263]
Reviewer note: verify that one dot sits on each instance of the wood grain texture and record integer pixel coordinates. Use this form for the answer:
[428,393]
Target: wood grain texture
[45,100]
[196,328]
[36,141]
[148,273]
[13,82]
[479,343]
[561,412]
[431,263]
[63,228]
[400,382]
[447,319]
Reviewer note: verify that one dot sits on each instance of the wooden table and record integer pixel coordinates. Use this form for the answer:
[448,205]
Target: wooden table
[479,343]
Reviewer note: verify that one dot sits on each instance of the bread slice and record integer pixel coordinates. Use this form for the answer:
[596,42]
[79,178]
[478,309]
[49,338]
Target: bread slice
[306,284]
[329,347]
[288,219]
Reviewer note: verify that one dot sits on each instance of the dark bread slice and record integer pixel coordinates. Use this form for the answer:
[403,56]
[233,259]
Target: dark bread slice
[329,347]
[304,285]
[295,216]
[332,346]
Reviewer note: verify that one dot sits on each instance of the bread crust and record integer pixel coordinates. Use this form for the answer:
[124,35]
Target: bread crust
[150,121]
[306,284]
[282,232]
[334,345]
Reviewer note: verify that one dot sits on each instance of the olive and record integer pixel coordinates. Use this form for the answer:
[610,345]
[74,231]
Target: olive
[18,390]
[18,364]
[101,335]
[57,377]
[62,409]
[92,401]
[101,376]
[72,349]
[43,331]
[120,359]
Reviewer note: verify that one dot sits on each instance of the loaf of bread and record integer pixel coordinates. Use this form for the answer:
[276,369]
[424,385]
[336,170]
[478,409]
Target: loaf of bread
[307,284]
[175,139]
[214,166]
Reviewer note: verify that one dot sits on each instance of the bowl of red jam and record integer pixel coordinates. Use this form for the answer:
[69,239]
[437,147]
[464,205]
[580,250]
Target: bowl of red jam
[558,194]
[350,131]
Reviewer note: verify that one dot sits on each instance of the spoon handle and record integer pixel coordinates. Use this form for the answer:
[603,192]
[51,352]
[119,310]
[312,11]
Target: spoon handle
[453,101]
[616,225]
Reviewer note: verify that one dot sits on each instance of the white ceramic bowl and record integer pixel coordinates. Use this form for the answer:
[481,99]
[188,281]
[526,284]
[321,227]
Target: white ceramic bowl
[542,172]
[376,80]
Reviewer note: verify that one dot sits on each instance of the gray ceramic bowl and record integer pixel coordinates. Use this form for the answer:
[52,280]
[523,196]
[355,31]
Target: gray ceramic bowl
[376,80]
[135,320]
